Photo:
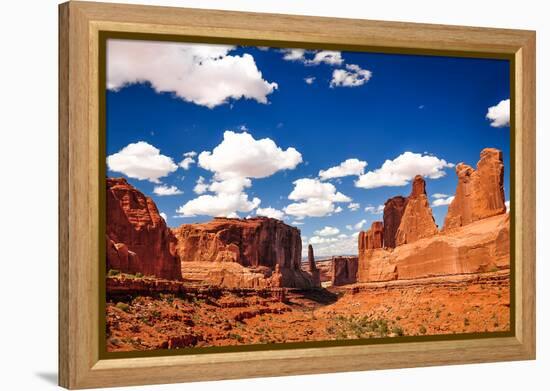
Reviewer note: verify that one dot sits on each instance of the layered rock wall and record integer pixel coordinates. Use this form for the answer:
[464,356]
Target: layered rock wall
[479,193]
[258,241]
[475,237]
[344,270]
[482,246]
[417,221]
[267,251]
[138,240]
[393,213]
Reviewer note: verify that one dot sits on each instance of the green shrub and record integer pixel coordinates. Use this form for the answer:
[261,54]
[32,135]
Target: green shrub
[113,272]
[422,329]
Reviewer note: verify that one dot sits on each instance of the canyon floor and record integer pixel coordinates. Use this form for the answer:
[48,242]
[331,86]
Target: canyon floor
[201,318]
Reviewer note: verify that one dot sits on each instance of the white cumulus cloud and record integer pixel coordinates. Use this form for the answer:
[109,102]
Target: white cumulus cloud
[186,163]
[200,186]
[507,203]
[163,190]
[316,198]
[346,168]
[329,246]
[309,80]
[312,207]
[443,201]
[439,195]
[204,74]
[294,54]
[230,186]
[352,76]
[218,205]
[401,170]
[306,188]
[375,210]
[328,231]
[237,159]
[270,212]
[499,115]
[353,206]
[240,155]
[329,57]
[141,161]
[163,215]
[360,224]
[321,240]
[311,57]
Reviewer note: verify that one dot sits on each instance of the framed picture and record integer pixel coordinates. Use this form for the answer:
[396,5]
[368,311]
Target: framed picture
[247,195]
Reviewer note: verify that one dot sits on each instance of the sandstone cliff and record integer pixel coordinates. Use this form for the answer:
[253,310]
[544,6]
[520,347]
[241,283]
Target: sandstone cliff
[475,237]
[417,221]
[393,213]
[481,246]
[258,241]
[138,239]
[264,248]
[344,270]
[479,193]
[312,267]
[373,238]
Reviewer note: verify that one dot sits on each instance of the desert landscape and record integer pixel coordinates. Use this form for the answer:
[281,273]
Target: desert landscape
[241,281]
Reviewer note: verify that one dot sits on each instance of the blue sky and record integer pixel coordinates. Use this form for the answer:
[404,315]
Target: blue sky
[298,113]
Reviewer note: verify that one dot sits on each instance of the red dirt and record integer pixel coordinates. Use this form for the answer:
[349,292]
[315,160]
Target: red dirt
[444,305]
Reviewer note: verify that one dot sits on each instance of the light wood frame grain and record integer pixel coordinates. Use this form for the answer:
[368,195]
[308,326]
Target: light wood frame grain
[80,365]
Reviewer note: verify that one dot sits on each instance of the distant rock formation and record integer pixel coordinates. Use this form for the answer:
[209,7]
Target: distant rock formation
[344,270]
[257,244]
[479,193]
[325,270]
[138,240]
[257,241]
[312,267]
[393,213]
[417,221]
[373,238]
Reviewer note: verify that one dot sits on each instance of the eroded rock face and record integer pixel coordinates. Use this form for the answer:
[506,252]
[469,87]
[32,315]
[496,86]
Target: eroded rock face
[265,248]
[393,213]
[373,238]
[312,267]
[344,270]
[258,241]
[138,239]
[481,246]
[479,193]
[417,221]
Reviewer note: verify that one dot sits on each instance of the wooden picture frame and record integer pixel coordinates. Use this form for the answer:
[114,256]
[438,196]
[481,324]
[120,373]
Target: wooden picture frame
[80,25]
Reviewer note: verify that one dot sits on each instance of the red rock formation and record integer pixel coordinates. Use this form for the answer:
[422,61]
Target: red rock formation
[393,212]
[258,244]
[138,239]
[417,221]
[481,246]
[258,241]
[373,238]
[325,270]
[369,241]
[479,193]
[312,267]
[344,270]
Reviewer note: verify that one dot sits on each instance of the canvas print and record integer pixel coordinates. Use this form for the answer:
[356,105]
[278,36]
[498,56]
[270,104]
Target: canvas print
[260,195]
